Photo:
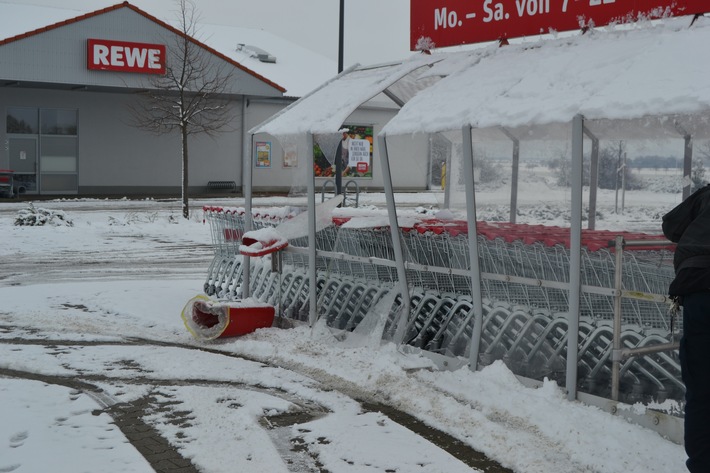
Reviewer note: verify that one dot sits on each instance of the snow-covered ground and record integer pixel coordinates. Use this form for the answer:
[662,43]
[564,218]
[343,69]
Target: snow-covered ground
[100,302]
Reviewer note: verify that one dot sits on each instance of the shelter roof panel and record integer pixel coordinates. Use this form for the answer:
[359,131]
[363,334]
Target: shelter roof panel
[326,108]
[649,70]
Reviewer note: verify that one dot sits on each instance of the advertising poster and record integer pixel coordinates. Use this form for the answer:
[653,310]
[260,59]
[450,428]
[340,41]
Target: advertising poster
[263,154]
[356,154]
[290,158]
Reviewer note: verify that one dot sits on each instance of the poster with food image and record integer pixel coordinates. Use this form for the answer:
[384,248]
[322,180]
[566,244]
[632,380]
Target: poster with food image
[263,154]
[356,154]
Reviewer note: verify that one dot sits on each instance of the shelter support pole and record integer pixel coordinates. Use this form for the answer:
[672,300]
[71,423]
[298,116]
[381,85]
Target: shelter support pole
[687,159]
[312,270]
[593,179]
[474,261]
[448,186]
[339,169]
[247,191]
[403,319]
[575,257]
[687,166]
[616,341]
[514,176]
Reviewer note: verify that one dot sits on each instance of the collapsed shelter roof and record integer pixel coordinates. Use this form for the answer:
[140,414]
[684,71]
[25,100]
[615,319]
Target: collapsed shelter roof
[641,81]
[646,81]
[326,108]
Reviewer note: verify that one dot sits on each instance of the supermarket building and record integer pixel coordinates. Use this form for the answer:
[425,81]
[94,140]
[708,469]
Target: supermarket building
[66,93]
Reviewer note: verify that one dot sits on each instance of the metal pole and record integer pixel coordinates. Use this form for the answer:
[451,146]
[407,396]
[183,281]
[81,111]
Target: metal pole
[616,342]
[339,169]
[341,36]
[575,257]
[616,181]
[687,166]
[403,320]
[514,177]
[623,183]
[448,183]
[312,274]
[593,179]
[472,248]
[248,223]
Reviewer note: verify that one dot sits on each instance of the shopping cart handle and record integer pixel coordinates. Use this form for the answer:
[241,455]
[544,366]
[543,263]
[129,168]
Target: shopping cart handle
[253,245]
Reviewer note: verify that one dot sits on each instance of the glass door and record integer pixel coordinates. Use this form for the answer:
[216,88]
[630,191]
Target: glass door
[23,160]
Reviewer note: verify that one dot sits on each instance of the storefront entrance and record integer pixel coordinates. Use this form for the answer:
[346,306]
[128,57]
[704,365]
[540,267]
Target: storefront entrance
[43,150]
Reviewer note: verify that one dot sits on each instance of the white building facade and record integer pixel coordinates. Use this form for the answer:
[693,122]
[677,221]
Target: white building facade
[66,95]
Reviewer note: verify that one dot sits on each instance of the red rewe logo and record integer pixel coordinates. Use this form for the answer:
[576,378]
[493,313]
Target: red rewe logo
[124,56]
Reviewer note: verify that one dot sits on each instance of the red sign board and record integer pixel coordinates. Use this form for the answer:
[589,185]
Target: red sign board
[440,23]
[124,56]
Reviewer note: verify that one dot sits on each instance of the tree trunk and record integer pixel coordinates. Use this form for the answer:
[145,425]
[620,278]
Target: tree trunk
[185,202]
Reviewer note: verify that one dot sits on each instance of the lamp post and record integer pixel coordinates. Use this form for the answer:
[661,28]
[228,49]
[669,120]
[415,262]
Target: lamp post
[338,154]
[341,36]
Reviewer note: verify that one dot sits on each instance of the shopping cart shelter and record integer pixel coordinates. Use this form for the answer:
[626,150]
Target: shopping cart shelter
[66,93]
[583,307]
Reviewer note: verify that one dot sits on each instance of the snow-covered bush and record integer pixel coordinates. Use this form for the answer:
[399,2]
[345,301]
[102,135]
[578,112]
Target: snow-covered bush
[138,218]
[32,216]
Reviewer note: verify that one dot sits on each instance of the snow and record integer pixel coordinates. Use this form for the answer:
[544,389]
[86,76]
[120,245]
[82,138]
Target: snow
[326,108]
[297,69]
[651,69]
[101,301]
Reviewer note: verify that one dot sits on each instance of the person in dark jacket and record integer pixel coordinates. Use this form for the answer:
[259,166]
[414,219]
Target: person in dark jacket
[688,225]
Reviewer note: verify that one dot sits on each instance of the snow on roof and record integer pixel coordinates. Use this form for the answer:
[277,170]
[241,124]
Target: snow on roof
[296,69]
[650,70]
[326,108]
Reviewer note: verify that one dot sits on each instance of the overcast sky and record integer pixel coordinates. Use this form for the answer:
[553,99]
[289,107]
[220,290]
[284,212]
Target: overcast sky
[375,30]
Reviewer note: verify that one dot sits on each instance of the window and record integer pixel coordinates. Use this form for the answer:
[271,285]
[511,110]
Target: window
[58,154]
[58,122]
[22,120]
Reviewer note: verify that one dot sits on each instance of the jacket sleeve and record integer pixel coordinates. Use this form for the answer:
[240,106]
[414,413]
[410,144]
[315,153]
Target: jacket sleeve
[677,220]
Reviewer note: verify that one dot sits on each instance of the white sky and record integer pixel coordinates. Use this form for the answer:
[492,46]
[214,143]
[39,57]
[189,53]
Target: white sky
[375,30]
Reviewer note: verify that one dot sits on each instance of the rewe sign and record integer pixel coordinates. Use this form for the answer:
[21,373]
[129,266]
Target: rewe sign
[124,56]
[455,22]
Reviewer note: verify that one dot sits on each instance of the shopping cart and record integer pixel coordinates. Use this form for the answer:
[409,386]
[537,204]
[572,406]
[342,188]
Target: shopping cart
[7,183]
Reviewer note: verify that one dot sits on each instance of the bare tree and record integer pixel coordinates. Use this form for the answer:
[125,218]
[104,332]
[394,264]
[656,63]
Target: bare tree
[190,97]
[704,151]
